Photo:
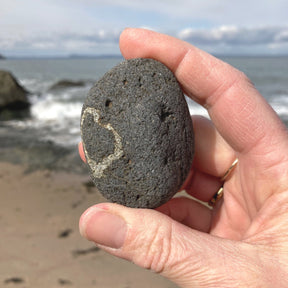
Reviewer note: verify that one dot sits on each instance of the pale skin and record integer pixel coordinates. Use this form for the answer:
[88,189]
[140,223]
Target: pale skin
[243,240]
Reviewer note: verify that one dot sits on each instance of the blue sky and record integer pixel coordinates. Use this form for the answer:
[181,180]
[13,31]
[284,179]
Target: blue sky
[63,27]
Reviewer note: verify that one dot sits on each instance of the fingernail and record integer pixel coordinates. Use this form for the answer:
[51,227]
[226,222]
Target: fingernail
[81,152]
[103,227]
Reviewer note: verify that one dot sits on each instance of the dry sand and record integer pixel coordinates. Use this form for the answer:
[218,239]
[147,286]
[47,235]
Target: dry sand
[40,245]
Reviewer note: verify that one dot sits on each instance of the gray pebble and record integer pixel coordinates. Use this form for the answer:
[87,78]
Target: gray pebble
[137,134]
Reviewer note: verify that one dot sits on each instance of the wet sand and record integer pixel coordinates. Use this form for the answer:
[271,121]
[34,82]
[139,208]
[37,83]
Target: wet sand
[40,245]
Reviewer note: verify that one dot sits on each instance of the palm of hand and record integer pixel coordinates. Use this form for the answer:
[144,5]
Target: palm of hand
[255,206]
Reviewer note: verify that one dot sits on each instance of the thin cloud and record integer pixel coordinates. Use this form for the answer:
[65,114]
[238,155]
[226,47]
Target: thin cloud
[282,36]
[232,35]
[236,12]
[94,26]
[269,39]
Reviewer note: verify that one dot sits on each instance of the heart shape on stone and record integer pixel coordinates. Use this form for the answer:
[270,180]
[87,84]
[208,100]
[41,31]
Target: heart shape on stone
[99,168]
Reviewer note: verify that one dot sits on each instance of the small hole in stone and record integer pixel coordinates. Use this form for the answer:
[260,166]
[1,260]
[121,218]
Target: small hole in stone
[108,103]
[140,81]
[164,115]
[165,161]
[125,82]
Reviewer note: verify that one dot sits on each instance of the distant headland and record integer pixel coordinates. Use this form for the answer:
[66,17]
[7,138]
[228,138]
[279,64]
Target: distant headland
[100,56]
[70,56]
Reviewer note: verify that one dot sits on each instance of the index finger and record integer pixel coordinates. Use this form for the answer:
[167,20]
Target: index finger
[241,115]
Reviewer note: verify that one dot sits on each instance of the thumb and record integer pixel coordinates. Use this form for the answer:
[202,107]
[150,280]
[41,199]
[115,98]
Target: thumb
[154,241]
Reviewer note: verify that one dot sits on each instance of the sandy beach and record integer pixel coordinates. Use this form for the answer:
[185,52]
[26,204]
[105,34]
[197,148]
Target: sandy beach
[40,245]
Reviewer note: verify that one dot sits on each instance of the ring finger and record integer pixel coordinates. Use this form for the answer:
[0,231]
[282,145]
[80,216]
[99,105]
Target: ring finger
[213,156]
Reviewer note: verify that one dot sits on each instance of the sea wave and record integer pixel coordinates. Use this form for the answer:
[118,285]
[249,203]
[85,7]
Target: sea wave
[281,110]
[56,114]
[50,110]
[279,103]
[56,117]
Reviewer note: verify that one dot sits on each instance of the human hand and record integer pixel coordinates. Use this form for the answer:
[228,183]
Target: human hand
[243,240]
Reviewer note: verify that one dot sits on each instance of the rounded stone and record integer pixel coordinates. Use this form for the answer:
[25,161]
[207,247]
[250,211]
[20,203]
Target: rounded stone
[137,134]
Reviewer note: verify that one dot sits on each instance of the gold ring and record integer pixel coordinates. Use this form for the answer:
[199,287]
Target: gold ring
[228,172]
[219,194]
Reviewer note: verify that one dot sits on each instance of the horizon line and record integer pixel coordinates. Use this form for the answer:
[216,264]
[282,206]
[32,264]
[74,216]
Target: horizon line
[116,55]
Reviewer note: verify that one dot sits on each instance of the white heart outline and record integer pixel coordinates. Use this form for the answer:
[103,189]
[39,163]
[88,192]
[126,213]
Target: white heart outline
[99,168]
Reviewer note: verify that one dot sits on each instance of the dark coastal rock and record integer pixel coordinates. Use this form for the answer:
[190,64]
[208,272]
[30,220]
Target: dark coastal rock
[13,97]
[64,84]
[137,134]
[2,57]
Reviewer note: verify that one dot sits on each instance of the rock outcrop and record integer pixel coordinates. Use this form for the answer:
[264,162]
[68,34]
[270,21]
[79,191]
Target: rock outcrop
[65,84]
[13,97]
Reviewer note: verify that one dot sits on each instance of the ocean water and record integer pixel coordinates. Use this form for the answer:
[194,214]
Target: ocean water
[55,114]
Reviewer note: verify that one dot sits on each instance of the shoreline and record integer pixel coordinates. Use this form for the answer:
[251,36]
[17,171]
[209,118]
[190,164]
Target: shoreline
[39,155]
[21,146]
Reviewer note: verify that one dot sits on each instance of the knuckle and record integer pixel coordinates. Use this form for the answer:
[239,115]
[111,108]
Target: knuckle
[155,249]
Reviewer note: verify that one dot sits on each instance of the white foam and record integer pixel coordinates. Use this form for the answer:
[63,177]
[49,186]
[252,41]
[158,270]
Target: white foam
[35,85]
[58,117]
[280,109]
[50,110]
[280,104]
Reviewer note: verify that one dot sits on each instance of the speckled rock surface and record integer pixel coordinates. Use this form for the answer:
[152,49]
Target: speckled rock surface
[137,134]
